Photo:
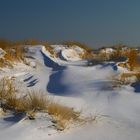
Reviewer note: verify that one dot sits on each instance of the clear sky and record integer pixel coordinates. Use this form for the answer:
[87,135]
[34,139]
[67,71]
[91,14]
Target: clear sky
[94,22]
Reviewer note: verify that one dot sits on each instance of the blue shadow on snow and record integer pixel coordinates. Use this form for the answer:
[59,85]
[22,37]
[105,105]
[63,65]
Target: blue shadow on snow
[136,86]
[55,86]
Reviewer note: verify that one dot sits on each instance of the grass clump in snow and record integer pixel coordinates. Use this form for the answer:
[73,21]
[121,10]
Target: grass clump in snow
[7,88]
[8,96]
[9,100]
[49,49]
[126,78]
[75,43]
[133,59]
[31,42]
[33,102]
[133,62]
[62,115]
[14,52]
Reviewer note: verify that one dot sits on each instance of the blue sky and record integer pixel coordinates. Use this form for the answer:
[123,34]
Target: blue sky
[94,22]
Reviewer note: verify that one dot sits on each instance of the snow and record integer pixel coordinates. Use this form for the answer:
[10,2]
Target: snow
[70,55]
[116,110]
[107,50]
[2,53]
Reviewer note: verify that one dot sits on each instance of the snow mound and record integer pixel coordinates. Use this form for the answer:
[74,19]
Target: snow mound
[30,62]
[70,55]
[115,110]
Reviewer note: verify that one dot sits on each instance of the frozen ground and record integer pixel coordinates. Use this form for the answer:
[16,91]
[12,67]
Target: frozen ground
[86,88]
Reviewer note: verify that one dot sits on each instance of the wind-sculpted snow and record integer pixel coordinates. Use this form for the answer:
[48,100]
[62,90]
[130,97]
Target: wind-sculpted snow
[70,80]
[75,81]
[50,63]
[70,55]
[94,85]
[116,111]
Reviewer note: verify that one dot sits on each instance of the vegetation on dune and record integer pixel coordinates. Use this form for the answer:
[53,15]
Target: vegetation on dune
[15,51]
[62,114]
[75,43]
[121,53]
[31,42]
[49,49]
[88,52]
[36,101]
[33,102]
[117,54]
[133,59]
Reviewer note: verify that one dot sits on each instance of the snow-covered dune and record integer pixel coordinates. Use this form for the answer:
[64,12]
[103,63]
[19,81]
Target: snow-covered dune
[116,111]
[70,55]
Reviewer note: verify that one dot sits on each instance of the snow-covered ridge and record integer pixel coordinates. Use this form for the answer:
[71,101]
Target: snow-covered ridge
[115,110]
[70,55]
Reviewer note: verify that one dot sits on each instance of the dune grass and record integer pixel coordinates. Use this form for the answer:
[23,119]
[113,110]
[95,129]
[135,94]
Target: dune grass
[35,101]
[62,115]
[7,88]
[133,61]
[14,52]
[49,49]
[88,54]
[126,78]
[75,43]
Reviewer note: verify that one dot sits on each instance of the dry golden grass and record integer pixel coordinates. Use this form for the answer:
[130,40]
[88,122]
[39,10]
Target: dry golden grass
[128,74]
[14,52]
[126,78]
[31,42]
[49,49]
[62,115]
[133,59]
[61,111]
[88,54]
[7,88]
[2,62]
[5,44]
[75,43]
[35,101]
[133,63]
[8,94]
